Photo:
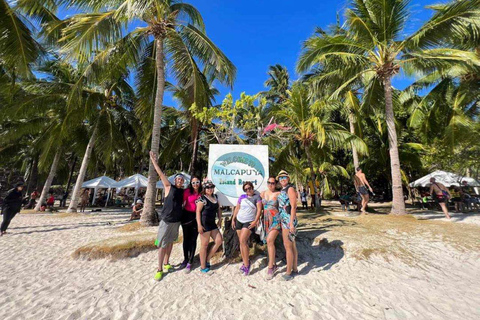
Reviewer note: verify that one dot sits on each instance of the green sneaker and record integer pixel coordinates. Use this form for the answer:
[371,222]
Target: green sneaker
[167,267]
[158,276]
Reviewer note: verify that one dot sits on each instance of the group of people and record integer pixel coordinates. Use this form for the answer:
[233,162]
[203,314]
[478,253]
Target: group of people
[197,210]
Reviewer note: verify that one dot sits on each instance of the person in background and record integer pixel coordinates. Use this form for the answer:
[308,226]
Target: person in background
[170,218]
[457,198]
[33,196]
[441,194]
[246,217]
[12,203]
[303,198]
[84,197]
[469,201]
[63,202]
[287,203]
[137,210]
[361,184]
[271,219]
[189,222]
[50,200]
[208,209]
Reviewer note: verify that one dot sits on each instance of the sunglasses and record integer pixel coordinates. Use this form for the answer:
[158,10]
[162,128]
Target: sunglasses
[196,182]
[271,182]
[282,178]
[209,187]
[248,189]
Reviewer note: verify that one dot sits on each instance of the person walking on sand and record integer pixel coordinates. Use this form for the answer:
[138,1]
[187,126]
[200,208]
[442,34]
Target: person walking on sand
[245,218]
[189,222]
[169,219]
[287,204]
[303,198]
[84,197]
[12,203]
[361,185]
[273,225]
[441,194]
[208,209]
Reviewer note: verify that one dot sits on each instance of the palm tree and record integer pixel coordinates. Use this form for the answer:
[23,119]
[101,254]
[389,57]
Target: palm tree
[278,83]
[372,48]
[178,34]
[311,126]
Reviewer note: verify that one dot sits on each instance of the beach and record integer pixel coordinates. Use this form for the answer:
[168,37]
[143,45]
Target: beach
[374,267]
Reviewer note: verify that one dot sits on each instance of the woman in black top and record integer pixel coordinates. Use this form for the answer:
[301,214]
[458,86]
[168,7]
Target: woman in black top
[207,209]
[11,206]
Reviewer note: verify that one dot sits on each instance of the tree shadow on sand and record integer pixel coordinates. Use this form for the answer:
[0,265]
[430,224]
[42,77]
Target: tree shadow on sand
[321,254]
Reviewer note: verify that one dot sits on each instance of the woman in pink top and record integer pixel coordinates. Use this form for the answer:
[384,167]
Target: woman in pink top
[189,222]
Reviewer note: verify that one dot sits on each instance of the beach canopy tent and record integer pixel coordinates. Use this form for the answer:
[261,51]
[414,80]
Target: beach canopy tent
[172,180]
[136,182]
[448,179]
[102,182]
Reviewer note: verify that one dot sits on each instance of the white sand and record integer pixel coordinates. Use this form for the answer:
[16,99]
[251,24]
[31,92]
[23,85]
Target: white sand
[40,280]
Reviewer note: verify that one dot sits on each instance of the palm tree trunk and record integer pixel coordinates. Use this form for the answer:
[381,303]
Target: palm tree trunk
[398,203]
[149,216]
[193,164]
[351,120]
[48,183]
[81,174]
[33,176]
[312,174]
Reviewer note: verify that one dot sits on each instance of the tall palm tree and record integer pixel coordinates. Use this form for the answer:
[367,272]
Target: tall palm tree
[373,48]
[311,126]
[173,30]
[278,83]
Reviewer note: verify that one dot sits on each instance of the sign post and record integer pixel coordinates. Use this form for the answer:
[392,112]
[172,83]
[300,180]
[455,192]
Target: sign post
[229,166]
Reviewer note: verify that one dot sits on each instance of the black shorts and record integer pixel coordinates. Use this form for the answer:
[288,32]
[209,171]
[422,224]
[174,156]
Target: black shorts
[441,199]
[363,190]
[208,224]
[240,225]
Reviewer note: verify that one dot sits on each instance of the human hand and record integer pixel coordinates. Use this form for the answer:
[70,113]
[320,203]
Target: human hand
[233,225]
[200,229]
[291,227]
[219,224]
[253,224]
[153,156]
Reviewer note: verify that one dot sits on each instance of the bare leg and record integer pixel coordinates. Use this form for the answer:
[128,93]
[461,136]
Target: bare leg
[243,236]
[288,250]
[168,251]
[272,235]
[205,239]
[161,256]
[295,257]
[217,237]
[445,209]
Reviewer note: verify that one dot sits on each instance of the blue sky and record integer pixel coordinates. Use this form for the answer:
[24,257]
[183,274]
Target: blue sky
[255,34]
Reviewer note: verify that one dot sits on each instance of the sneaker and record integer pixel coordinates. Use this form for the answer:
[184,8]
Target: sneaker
[206,270]
[208,265]
[184,264]
[242,268]
[271,272]
[167,268]
[287,277]
[158,276]
[188,268]
[246,270]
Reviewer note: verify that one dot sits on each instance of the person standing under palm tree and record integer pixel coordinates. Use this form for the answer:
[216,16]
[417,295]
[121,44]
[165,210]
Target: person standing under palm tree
[170,218]
[287,204]
[361,184]
[189,223]
[273,226]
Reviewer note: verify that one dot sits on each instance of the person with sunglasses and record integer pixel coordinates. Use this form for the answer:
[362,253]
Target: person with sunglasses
[271,218]
[189,223]
[287,202]
[245,218]
[169,219]
[208,209]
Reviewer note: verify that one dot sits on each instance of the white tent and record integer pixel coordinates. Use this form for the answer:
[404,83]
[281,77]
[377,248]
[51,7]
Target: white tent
[136,181]
[448,179]
[102,182]
[172,180]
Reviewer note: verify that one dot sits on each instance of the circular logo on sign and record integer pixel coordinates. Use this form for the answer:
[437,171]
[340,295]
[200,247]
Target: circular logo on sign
[231,170]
